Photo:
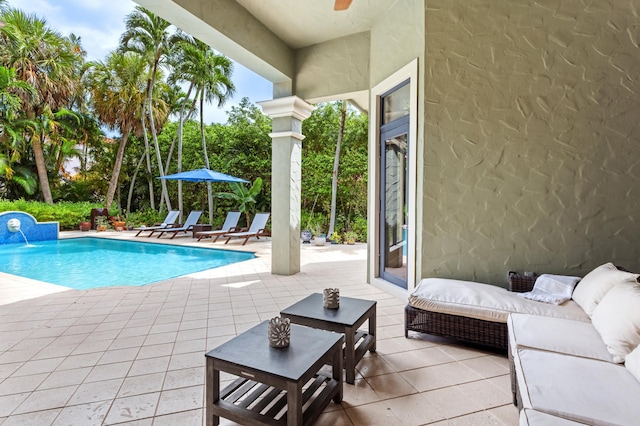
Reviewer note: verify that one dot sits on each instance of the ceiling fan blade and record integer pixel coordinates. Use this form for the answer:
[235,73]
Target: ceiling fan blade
[342,4]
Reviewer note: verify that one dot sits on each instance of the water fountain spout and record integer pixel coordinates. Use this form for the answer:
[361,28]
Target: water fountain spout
[13,225]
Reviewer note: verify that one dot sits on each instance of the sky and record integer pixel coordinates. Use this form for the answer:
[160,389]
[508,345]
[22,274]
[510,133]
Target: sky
[99,24]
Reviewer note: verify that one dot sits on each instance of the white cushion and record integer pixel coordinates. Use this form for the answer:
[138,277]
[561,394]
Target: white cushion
[595,285]
[617,319]
[578,389]
[556,335]
[632,362]
[533,417]
[484,301]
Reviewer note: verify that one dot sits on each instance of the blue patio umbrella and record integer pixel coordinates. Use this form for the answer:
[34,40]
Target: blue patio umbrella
[203,175]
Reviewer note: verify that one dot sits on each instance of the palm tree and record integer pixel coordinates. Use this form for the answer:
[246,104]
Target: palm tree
[148,35]
[117,89]
[185,59]
[12,129]
[336,164]
[47,61]
[212,80]
[57,129]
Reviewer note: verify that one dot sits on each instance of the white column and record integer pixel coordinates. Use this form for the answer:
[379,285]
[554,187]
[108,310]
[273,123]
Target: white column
[286,173]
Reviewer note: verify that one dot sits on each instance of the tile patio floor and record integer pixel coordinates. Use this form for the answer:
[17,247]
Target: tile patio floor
[135,355]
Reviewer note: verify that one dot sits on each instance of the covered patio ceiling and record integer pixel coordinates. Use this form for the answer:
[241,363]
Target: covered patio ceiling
[302,23]
[265,36]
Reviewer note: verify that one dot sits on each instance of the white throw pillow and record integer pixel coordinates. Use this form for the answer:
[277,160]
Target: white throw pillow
[595,285]
[617,319]
[632,362]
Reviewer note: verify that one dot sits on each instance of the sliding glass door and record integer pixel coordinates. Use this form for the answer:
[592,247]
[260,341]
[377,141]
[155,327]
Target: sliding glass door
[394,144]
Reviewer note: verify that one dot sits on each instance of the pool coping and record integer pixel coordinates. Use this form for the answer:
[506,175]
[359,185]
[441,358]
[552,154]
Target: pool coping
[11,291]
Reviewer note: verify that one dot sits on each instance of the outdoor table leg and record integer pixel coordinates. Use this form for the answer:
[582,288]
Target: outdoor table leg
[337,374]
[372,329]
[350,354]
[294,404]
[212,392]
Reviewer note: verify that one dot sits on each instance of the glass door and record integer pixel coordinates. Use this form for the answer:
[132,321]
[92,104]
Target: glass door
[394,143]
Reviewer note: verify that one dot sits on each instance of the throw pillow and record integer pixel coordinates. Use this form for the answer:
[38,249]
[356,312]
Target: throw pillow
[595,285]
[632,362]
[617,319]
[554,289]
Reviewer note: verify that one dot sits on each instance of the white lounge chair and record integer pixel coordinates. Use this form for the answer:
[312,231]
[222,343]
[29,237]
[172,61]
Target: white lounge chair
[192,219]
[255,230]
[168,221]
[229,225]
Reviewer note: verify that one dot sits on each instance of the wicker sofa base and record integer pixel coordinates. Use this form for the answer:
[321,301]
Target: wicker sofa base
[471,330]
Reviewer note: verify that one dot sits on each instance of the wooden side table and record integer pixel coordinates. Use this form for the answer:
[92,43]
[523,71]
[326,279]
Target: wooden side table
[351,314]
[271,379]
[199,228]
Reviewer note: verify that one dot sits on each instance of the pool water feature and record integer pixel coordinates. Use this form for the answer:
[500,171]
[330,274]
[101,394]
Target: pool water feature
[28,227]
[84,263]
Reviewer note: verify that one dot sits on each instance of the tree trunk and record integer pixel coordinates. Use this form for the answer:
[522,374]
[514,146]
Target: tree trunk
[334,176]
[154,136]
[206,157]
[41,167]
[133,181]
[152,200]
[180,129]
[117,166]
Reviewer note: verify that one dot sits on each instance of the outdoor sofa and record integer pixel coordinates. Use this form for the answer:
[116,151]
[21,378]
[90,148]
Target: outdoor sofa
[476,313]
[578,367]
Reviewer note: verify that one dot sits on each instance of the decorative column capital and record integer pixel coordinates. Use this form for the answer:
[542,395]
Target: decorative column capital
[290,106]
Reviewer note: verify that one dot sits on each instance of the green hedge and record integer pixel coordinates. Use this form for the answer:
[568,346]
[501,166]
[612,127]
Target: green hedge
[67,214]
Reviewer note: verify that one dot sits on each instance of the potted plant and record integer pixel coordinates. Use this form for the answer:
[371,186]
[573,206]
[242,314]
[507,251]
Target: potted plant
[350,237]
[102,223]
[320,239]
[85,225]
[335,238]
[118,225]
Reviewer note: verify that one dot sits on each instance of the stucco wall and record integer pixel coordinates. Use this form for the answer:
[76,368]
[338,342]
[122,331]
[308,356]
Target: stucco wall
[397,39]
[532,140]
[334,67]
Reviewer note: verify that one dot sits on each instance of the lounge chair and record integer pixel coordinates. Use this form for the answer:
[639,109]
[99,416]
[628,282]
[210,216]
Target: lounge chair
[255,230]
[168,221]
[229,225]
[192,219]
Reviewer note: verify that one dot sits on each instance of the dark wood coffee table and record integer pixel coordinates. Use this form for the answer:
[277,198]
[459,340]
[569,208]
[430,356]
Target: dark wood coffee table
[274,384]
[351,314]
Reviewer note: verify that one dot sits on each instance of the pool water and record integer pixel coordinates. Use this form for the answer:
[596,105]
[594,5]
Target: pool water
[84,263]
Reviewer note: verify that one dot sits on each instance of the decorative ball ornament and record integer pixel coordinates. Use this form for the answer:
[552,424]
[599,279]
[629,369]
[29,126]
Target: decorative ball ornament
[13,225]
[279,332]
[331,298]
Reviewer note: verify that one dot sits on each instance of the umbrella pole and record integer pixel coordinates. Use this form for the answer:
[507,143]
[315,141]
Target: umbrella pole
[210,198]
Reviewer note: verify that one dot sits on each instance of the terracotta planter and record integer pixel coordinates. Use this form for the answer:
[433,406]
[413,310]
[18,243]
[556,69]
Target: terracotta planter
[85,226]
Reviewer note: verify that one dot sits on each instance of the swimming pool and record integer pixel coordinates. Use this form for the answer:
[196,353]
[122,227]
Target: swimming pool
[84,263]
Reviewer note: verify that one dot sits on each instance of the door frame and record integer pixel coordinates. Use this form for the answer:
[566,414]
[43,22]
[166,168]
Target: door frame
[408,72]
[395,128]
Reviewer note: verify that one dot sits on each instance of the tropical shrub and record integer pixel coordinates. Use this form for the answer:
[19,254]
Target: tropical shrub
[67,214]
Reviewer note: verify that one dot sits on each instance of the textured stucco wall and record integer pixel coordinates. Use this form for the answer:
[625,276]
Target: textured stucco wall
[397,39]
[532,140]
[334,67]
